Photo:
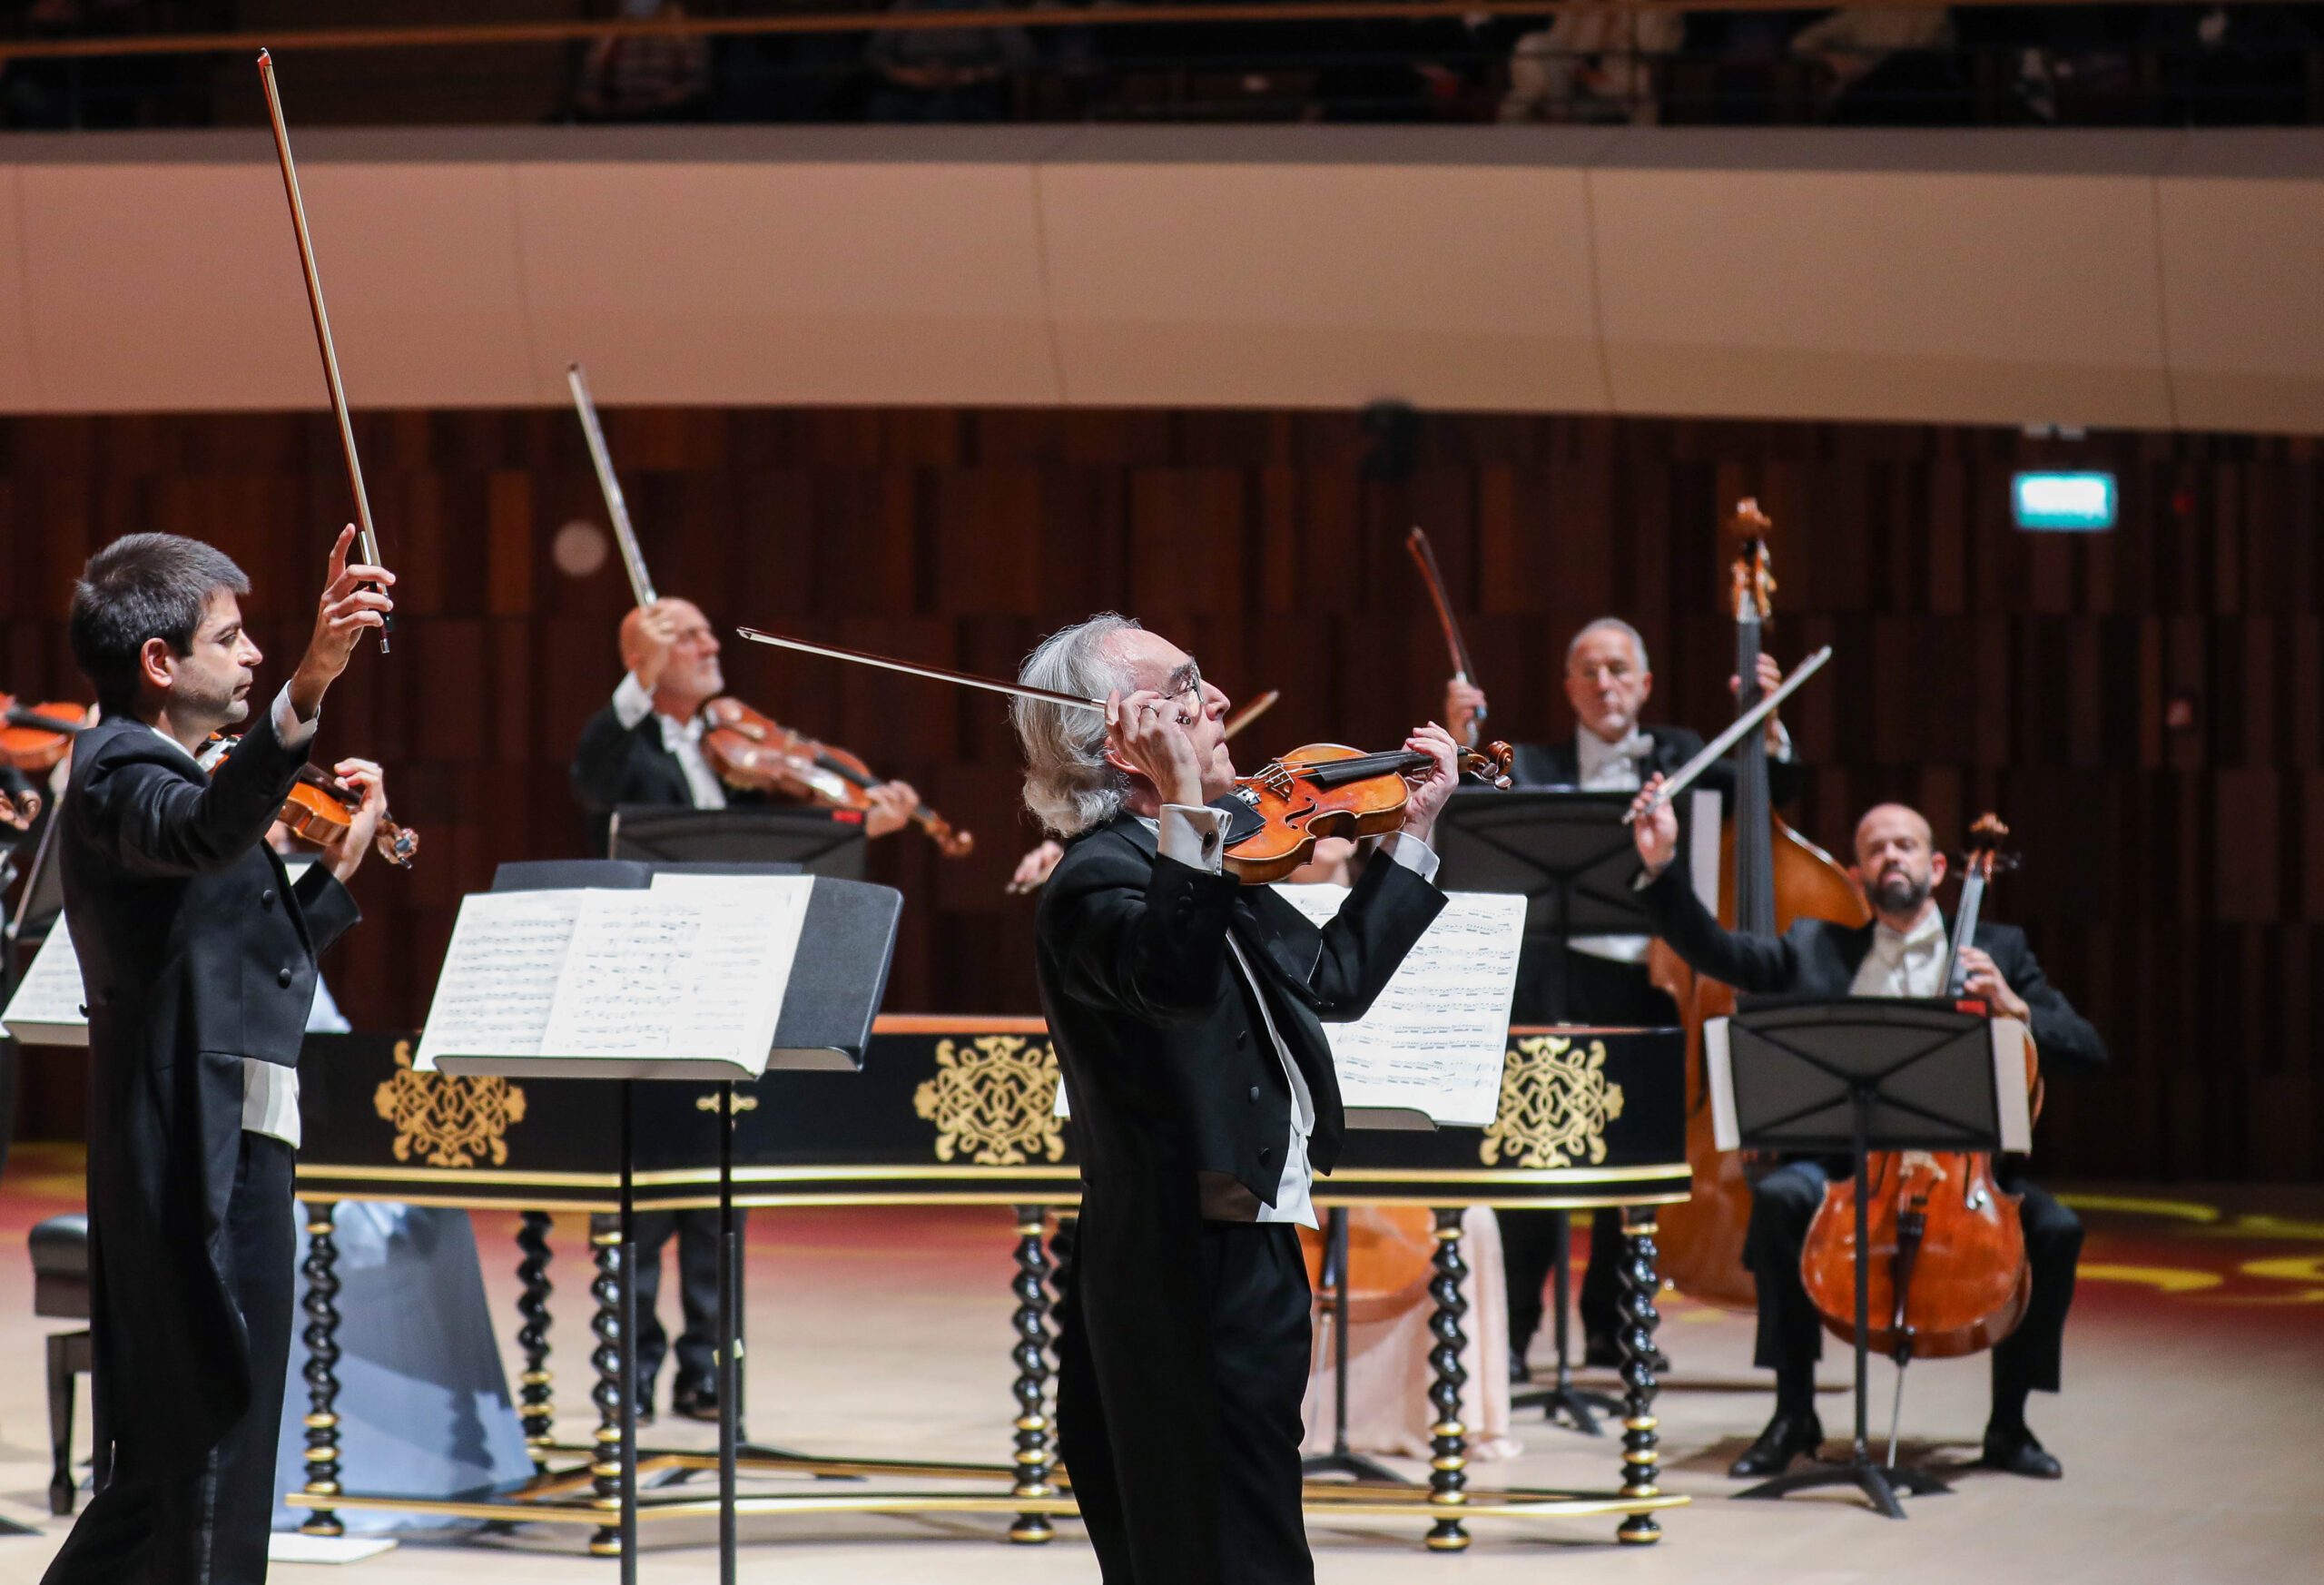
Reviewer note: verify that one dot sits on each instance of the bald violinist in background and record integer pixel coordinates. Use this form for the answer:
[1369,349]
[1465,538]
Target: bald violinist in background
[644,746]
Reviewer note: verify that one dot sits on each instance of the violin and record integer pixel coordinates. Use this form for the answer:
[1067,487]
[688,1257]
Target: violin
[754,751]
[1948,1273]
[34,737]
[318,809]
[746,748]
[1769,876]
[1327,790]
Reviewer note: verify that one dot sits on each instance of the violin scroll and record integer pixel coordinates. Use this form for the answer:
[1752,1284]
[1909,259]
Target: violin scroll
[1491,762]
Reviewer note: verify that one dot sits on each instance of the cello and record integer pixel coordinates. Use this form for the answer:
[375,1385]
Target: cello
[1948,1268]
[1769,876]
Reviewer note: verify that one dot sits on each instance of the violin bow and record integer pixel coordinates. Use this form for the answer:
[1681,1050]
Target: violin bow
[1251,711]
[632,559]
[1424,555]
[916,669]
[1684,776]
[367,542]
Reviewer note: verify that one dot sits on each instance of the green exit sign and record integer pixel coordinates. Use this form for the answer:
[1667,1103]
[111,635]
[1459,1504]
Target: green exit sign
[2072,503]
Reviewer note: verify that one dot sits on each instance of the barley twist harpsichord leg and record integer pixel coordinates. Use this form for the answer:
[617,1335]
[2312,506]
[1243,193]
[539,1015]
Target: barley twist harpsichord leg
[1449,1445]
[1032,1359]
[604,1470]
[534,1406]
[1640,1283]
[321,1272]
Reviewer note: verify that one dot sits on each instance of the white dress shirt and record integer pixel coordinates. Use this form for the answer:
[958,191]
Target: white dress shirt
[632,704]
[1192,835]
[1611,767]
[270,1090]
[1614,767]
[1906,963]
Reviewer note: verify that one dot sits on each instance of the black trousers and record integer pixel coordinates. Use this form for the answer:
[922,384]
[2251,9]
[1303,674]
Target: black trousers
[1587,990]
[1791,1337]
[697,1234]
[208,1524]
[1255,1295]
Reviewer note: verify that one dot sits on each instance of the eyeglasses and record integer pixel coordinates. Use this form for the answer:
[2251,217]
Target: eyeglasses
[1615,671]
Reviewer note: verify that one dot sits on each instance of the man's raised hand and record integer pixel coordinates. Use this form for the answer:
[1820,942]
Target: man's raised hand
[1654,828]
[1146,735]
[1424,799]
[354,599]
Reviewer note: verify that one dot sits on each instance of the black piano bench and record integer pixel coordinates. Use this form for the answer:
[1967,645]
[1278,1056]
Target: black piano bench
[60,1251]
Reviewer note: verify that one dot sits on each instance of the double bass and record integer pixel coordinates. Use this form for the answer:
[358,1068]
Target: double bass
[1948,1273]
[1769,875]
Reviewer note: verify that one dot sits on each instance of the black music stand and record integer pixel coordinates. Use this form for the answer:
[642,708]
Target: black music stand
[1860,1073]
[821,841]
[837,981]
[1571,857]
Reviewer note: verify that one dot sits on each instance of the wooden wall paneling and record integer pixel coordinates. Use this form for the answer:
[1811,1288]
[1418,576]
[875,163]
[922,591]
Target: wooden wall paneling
[2173,877]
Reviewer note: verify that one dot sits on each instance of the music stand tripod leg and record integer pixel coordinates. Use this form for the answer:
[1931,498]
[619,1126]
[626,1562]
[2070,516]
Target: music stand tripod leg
[1879,1485]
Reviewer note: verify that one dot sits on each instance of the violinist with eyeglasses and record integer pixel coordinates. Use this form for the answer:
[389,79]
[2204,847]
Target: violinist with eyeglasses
[1902,952]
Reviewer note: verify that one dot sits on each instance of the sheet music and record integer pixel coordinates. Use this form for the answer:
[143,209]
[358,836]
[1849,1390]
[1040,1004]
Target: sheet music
[742,962]
[1437,1037]
[694,969]
[500,974]
[51,994]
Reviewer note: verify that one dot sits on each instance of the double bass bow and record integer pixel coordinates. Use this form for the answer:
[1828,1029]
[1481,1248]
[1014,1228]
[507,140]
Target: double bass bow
[1424,555]
[1281,809]
[745,747]
[1769,875]
[1948,1270]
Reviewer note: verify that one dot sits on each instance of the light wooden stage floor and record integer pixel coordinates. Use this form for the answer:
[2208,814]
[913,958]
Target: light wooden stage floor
[2195,1381]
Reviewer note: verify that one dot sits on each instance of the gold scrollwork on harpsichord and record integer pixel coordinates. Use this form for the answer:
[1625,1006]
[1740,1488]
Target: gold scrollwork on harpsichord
[447,1119]
[1555,1104]
[995,1099]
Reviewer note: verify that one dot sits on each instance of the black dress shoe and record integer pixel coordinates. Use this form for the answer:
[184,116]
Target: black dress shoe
[694,1400]
[2016,1453]
[1787,1437]
[1518,1371]
[1599,1349]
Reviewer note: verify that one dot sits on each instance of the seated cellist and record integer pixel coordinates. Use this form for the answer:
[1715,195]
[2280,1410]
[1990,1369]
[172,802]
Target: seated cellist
[1902,952]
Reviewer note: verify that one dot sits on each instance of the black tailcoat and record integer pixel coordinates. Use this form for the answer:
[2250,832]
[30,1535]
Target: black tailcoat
[196,951]
[1169,1073]
[615,765]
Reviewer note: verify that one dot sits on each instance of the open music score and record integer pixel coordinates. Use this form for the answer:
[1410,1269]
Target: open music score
[689,973]
[46,1008]
[1435,1041]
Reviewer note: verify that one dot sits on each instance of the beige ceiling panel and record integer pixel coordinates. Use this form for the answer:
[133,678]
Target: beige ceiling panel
[421,269]
[1315,284]
[2244,278]
[164,286]
[1976,296]
[787,282]
[19,389]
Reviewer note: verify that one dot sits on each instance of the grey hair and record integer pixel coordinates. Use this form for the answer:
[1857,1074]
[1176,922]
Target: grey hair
[1613,624]
[1069,784]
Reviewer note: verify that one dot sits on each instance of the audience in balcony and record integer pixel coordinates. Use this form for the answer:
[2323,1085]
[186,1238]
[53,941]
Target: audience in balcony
[649,77]
[1595,64]
[945,74]
[1885,67]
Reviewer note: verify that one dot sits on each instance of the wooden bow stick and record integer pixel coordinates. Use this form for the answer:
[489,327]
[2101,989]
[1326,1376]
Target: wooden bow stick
[367,542]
